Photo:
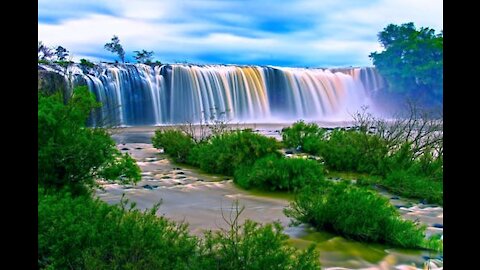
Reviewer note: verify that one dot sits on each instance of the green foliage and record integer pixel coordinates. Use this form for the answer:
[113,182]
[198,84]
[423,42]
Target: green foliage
[351,151]
[355,213]
[44,61]
[63,63]
[256,247]
[82,233]
[276,173]
[224,153]
[174,142]
[412,61]
[143,56]
[412,185]
[297,134]
[116,48]
[72,155]
[86,63]
[61,53]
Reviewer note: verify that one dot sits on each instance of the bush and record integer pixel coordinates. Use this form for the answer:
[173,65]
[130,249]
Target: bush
[82,233]
[226,152]
[86,63]
[71,154]
[274,173]
[353,151]
[174,142]
[299,132]
[410,184]
[355,213]
[257,247]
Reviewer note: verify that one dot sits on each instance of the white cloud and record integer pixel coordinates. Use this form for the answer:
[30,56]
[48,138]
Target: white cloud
[328,32]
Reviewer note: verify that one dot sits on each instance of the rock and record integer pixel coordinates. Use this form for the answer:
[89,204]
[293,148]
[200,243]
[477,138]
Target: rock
[138,148]
[289,152]
[200,180]
[424,201]
[176,169]
[181,177]
[180,173]
[399,206]
[125,149]
[179,184]
[148,187]
[394,198]
[165,177]
[437,225]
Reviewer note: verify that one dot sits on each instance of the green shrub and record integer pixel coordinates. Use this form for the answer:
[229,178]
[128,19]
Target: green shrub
[274,173]
[82,233]
[224,153]
[256,247]
[299,132]
[355,213]
[86,63]
[174,142]
[412,185]
[71,154]
[353,151]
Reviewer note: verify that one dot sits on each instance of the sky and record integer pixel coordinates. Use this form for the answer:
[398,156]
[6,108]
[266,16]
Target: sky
[302,33]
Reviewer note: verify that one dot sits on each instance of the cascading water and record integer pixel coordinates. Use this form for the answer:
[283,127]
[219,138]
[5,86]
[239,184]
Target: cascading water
[137,94]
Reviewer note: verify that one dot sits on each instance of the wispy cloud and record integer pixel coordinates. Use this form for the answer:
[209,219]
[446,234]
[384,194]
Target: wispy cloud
[290,33]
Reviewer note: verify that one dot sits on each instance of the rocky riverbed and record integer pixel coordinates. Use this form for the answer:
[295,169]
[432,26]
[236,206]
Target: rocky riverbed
[200,199]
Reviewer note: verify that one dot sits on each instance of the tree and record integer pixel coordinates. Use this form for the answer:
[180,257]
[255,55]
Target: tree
[72,155]
[143,56]
[412,61]
[61,53]
[44,53]
[116,47]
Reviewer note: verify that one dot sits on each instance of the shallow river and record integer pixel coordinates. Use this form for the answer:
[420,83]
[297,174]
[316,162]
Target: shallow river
[200,200]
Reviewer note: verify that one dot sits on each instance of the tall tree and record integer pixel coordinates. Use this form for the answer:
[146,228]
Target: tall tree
[143,56]
[44,53]
[116,47]
[412,61]
[61,53]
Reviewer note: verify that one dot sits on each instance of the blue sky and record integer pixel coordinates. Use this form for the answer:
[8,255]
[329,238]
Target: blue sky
[312,33]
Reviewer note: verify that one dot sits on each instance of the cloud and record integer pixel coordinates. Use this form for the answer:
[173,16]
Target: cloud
[291,33]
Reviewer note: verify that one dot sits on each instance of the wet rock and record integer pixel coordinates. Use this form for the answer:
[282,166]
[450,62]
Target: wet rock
[424,201]
[165,177]
[399,206]
[181,177]
[289,152]
[200,180]
[394,198]
[179,184]
[150,187]
[437,225]
[125,149]
[180,173]
[138,148]
[176,169]
[426,258]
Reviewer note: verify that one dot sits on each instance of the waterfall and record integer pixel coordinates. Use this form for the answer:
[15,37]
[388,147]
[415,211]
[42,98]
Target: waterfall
[138,94]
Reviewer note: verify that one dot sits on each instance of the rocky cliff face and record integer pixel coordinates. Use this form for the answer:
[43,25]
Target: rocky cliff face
[53,80]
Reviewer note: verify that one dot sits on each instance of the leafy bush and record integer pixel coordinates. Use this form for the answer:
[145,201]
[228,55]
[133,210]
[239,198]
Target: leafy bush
[86,63]
[353,151]
[299,132]
[224,153]
[256,247]
[82,233]
[274,173]
[72,155]
[174,142]
[355,213]
[410,184]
